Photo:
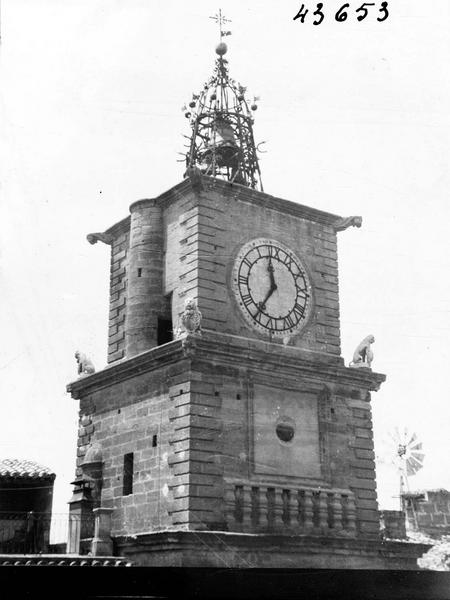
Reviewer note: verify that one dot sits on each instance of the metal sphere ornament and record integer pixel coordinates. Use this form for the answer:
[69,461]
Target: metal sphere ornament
[254,106]
[221,49]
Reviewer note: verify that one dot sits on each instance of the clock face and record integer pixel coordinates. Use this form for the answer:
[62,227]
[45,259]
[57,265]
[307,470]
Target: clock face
[271,287]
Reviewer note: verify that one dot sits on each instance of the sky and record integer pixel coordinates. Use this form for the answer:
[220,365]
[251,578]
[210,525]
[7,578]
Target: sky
[355,120]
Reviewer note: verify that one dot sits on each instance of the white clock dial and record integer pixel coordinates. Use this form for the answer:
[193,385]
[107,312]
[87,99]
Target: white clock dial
[271,287]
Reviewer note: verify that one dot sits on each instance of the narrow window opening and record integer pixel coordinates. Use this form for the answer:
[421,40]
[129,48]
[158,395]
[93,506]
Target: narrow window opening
[238,396]
[216,393]
[164,331]
[154,441]
[118,411]
[128,461]
[139,272]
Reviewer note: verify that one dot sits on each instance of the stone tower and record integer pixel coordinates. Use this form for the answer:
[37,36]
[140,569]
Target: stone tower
[251,423]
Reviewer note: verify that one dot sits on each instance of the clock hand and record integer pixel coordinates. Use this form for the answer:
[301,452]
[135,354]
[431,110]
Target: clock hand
[270,268]
[273,287]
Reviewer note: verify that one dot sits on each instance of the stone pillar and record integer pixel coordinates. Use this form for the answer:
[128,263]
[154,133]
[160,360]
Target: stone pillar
[102,544]
[145,277]
[80,518]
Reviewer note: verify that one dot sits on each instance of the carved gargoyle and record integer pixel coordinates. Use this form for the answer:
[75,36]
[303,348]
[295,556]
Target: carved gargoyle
[343,224]
[93,238]
[190,319]
[85,366]
[363,355]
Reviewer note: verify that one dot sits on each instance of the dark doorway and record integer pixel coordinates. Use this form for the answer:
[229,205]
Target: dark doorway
[165,333]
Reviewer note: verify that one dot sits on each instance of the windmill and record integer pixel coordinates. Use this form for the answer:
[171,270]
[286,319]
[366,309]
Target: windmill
[403,450]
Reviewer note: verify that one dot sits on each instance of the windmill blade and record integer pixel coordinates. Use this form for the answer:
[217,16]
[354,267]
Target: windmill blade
[417,446]
[412,439]
[404,435]
[417,456]
[414,463]
[411,468]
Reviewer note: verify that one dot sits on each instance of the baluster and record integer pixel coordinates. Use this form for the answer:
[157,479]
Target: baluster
[351,515]
[230,510]
[308,510]
[336,505]
[293,509]
[323,511]
[285,516]
[278,509]
[301,508]
[246,508]
[263,509]
[255,506]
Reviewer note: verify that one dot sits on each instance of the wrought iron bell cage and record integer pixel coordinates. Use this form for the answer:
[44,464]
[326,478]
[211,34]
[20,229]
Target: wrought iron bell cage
[222,143]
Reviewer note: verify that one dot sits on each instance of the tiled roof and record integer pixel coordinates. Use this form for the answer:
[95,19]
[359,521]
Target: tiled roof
[62,560]
[13,467]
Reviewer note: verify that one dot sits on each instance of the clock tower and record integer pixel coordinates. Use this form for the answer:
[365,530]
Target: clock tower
[226,428]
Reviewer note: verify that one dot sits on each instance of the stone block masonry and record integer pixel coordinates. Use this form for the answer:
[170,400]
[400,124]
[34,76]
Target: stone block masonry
[183,244]
[118,291]
[185,411]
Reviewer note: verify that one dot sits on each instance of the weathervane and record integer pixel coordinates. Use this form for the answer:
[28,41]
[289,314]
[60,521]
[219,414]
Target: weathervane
[221,143]
[221,20]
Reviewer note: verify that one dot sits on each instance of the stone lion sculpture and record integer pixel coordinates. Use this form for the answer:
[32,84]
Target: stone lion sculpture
[190,319]
[85,366]
[363,355]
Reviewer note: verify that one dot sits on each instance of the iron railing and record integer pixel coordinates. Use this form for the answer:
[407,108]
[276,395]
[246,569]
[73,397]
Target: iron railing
[41,532]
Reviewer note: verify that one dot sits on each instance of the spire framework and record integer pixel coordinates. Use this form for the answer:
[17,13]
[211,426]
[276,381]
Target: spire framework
[222,143]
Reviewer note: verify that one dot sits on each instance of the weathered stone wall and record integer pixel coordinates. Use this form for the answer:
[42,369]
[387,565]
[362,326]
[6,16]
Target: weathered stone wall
[213,227]
[204,413]
[189,251]
[393,524]
[124,418]
[429,511]
[117,298]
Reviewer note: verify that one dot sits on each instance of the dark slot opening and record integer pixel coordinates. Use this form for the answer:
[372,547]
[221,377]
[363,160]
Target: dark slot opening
[164,331]
[154,441]
[139,272]
[128,461]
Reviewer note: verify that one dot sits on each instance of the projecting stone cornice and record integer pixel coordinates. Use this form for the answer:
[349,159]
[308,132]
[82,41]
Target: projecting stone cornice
[242,354]
[236,192]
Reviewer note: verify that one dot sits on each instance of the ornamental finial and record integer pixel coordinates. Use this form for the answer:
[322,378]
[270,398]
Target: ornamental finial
[221,142]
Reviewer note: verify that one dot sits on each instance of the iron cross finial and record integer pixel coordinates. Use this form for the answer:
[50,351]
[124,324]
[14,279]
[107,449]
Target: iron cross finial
[221,20]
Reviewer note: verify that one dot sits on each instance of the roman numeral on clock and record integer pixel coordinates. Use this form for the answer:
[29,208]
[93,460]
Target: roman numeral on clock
[298,311]
[247,299]
[289,322]
[288,262]
[258,317]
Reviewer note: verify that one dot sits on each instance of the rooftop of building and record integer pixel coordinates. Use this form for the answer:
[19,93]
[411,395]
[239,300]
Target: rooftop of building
[27,469]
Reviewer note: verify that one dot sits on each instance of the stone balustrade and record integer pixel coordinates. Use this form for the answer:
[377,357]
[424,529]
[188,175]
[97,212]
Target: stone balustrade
[255,508]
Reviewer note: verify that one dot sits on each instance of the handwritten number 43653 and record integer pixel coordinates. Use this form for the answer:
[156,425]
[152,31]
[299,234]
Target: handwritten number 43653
[342,13]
